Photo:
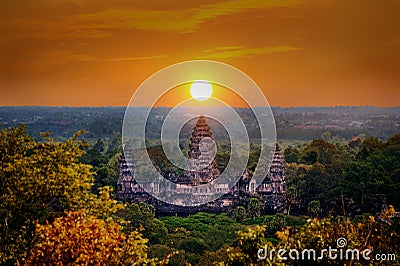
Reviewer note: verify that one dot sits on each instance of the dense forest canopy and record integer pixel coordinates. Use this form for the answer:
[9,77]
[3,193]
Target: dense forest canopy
[58,207]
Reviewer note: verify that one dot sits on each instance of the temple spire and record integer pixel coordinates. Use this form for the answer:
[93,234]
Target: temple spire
[202,166]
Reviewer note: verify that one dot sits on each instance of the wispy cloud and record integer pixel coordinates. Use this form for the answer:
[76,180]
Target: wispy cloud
[49,59]
[136,58]
[241,51]
[177,20]
[224,48]
[100,23]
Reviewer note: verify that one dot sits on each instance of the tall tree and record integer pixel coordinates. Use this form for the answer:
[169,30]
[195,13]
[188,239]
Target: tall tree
[254,208]
[39,181]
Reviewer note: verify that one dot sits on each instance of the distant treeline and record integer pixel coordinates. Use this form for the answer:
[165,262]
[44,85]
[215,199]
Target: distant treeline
[296,123]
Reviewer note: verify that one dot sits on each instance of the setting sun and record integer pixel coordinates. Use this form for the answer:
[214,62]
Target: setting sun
[201,90]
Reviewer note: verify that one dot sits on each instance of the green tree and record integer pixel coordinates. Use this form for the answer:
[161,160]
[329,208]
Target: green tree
[239,214]
[254,208]
[141,217]
[369,146]
[314,208]
[321,151]
[250,242]
[115,144]
[292,155]
[393,140]
[291,197]
[309,157]
[100,146]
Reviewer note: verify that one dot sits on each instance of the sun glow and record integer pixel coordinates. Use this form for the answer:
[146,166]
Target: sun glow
[201,90]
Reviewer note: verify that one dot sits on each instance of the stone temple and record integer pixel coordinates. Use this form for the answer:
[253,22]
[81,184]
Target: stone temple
[202,170]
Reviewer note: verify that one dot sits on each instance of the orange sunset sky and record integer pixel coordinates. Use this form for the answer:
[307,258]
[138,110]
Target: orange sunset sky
[300,53]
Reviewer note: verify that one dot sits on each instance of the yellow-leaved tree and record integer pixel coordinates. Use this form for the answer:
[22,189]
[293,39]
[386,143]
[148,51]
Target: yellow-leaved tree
[379,233]
[82,239]
[45,196]
[39,180]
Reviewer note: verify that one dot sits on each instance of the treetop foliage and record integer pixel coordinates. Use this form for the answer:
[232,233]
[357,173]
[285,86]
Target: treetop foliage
[56,209]
[362,176]
[49,214]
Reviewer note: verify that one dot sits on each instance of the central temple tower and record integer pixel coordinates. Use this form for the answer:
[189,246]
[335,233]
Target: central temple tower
[202,166]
